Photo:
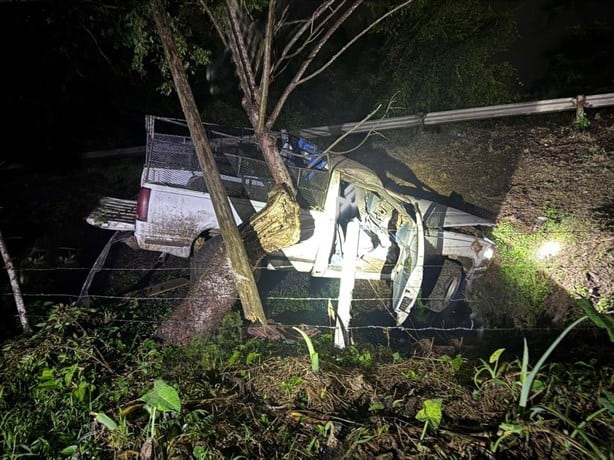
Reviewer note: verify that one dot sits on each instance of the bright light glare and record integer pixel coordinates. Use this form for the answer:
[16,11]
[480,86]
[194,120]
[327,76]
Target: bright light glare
[548,249]
[488,253]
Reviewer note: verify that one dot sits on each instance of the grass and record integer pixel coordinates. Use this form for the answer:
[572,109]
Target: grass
[525,262]
[57,385]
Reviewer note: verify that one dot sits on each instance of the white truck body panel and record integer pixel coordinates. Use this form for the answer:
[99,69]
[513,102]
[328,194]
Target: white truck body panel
[395,234]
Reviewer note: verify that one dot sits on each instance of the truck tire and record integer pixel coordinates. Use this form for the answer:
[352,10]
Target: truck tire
[448,284]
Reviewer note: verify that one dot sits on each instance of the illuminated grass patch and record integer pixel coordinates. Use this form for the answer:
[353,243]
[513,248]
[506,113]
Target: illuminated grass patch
[526,260]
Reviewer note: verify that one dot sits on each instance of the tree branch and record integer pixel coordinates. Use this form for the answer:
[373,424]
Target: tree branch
[313,35]
[10,269]
[350,131]
[243,55]
[308,24]
[352,41]
[215,22]
[266,69]
[307,62]
[102,53]
[241,270]
[370,133]
[241,70]
[299,79]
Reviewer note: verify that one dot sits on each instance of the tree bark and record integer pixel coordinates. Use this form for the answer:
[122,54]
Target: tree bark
[239,263]
[21,308]
[214,295]
[274,161]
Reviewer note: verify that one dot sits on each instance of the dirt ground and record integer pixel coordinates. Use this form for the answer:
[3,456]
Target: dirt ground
[522,171]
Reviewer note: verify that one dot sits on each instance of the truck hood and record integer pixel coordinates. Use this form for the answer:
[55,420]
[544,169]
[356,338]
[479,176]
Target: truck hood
[437,215]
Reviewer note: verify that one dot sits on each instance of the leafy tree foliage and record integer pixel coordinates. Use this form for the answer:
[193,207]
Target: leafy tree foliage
[442,54]
[192,38]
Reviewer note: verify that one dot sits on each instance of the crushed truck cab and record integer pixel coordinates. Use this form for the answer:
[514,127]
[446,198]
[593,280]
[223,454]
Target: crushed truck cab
[395,236]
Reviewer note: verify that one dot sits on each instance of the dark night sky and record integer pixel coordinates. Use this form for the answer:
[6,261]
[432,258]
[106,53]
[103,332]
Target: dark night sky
[61,96]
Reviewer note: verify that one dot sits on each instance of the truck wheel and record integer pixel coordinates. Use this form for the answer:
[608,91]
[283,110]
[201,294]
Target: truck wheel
[447,285]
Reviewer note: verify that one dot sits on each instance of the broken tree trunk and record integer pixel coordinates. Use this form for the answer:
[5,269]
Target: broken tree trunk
[214,294]
[240,268]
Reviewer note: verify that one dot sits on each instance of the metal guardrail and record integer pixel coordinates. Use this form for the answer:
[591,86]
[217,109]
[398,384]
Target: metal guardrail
[433,118]
[123,152]
[475,113]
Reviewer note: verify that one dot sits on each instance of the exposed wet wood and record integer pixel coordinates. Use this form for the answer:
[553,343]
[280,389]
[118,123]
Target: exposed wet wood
[215,294]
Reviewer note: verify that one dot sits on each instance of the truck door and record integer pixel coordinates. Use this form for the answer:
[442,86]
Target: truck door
[408,271]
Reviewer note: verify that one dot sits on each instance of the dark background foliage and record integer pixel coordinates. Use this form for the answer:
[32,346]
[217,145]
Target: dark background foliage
[71,83]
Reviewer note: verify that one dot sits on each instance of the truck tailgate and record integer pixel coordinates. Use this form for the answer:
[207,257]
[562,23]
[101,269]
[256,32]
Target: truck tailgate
[113,214]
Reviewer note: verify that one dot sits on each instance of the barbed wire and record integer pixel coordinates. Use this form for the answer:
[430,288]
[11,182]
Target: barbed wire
[544,263]
[126,298]
[384,328]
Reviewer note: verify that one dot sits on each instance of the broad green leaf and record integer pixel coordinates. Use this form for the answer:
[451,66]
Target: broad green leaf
[511,428]
[234,358]
[538,385]
[410,374]
[376,406]
[163,397]
[70,450]
[457,362]
[431,412]
[107,421]
[607,401]
[70,371]
[252,357]
[47,380]
[199,452]
[495,356]
[79,392]
[47,374]
[599,319]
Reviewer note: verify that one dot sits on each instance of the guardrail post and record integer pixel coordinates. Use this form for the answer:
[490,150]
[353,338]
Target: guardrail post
[580,101]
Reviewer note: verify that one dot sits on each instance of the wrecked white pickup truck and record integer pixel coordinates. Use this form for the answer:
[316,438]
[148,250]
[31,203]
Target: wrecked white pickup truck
[428,250]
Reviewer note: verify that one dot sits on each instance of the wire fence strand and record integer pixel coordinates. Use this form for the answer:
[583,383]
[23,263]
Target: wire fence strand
[331,328]
[324,300]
